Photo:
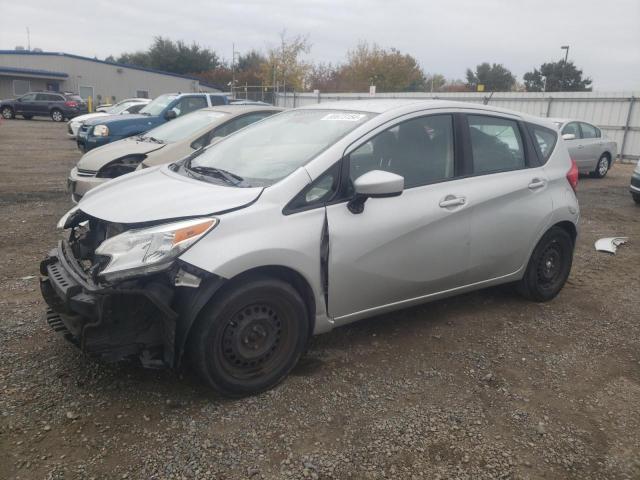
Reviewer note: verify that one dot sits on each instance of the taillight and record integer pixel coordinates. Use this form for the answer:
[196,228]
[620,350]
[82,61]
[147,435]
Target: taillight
[572,175]
[71,103]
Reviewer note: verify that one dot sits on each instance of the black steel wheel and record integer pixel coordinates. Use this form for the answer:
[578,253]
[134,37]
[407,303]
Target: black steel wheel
[250,336]
[548,267]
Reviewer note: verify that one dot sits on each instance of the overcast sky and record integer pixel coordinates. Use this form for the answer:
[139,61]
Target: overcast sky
[445,36]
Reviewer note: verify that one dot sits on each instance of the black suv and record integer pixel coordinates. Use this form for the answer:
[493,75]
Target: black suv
[58,106]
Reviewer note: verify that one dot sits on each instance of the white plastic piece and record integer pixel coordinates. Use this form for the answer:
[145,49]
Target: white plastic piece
[610,244]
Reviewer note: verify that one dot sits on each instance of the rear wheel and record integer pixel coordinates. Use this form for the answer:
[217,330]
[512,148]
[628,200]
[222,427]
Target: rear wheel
[7,113]
[602,167]
[250,336]
[548,267]
[56,115]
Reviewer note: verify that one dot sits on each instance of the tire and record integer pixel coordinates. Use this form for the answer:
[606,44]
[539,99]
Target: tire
[636,197]
[602,167]
[248,338]
[27,117]
[548,267]
[56,115]
[8,113]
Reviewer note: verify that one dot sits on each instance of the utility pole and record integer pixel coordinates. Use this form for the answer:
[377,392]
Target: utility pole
[28,39]
[233,69]
[564,65]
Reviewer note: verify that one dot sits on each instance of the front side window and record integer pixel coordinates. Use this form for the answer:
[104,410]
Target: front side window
[156,107]
[571,129]
[28,98]
[42,97]
[189,104]
[588,130]
[183,127]
[269,151]
[420,150]
[496,144]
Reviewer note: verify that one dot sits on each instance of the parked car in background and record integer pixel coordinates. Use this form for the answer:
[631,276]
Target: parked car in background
[58,106]
[593,152]
[122,108]
[635,184]
[97,132]
[104,107]
[164,144]
[307,220]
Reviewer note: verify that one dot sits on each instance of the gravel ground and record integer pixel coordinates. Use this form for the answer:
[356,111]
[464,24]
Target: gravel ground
[485,385]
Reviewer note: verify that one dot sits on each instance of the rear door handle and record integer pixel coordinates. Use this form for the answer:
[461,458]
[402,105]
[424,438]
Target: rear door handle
[537,183]
[452,201]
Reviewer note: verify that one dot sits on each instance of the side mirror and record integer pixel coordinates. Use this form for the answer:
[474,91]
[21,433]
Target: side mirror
[170,115]
[375,184]
[568,136]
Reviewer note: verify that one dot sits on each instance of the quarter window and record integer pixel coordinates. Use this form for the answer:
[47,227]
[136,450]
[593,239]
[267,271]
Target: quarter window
[545,140]
[496,144]
[420,150]
[588,131]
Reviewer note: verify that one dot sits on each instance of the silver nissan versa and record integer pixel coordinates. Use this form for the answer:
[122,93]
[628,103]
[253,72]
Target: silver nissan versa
[308,220]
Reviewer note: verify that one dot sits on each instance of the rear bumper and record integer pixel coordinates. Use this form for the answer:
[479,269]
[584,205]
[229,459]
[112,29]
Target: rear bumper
[113,323]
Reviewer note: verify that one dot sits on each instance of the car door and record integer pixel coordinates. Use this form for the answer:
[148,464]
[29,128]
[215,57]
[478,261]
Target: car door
[576,146]
[24,105]
[41,105]
[406,247]
[592,145]
[507,196]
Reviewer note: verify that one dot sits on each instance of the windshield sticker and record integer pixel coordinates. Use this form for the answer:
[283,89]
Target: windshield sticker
[344,117]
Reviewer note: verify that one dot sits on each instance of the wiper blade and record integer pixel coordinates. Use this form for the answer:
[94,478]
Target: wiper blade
[219,173]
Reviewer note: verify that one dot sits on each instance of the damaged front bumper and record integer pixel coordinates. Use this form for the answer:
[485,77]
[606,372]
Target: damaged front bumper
[146,318]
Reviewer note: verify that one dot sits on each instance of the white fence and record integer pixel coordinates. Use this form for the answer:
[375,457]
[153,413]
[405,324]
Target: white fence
[617,114]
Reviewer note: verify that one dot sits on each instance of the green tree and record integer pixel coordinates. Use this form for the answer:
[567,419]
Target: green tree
[495,78]
[169,56]
[557,77]
[389,70]
[286,63]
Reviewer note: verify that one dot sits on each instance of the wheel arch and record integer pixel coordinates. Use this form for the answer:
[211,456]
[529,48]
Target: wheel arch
[568,227]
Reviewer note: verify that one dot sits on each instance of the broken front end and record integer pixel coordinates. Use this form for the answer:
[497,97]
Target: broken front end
[119,291]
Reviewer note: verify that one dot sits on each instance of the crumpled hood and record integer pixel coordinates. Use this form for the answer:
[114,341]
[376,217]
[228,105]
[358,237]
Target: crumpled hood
[157,193]
[98,157]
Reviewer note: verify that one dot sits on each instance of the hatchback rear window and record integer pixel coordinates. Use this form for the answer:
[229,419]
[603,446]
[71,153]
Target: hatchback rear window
[544,140]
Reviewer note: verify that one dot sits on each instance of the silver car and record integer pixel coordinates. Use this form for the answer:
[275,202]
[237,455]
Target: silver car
[593,152]
[308,220]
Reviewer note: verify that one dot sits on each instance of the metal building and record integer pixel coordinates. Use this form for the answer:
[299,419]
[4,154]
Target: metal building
[22,71]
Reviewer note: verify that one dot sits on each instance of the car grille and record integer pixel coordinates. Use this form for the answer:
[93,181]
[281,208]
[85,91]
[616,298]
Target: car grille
[86,173]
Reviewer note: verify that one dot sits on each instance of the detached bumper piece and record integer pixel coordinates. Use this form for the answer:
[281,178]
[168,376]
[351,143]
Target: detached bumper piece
[133,320]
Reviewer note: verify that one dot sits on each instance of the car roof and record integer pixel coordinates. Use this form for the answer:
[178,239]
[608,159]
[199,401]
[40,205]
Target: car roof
[242,109]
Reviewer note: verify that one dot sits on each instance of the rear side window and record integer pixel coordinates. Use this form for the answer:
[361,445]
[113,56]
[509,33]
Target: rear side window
[588,131]
[571,129]
[544,140]
[496,144]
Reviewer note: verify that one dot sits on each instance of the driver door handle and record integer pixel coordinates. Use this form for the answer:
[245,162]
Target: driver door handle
[451,201]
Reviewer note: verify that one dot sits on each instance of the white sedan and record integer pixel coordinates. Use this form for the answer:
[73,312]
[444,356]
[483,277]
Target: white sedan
[132,106]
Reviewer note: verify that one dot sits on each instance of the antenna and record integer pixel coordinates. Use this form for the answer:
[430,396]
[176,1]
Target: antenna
[28,39]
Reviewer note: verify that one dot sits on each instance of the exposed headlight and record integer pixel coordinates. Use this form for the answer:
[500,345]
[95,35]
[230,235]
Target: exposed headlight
[100,131]
[120,166]
[149,250]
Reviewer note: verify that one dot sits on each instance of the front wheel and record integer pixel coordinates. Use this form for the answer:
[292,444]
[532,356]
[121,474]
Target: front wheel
[7,113]
[250,337]
[56,115]
[548,267]
[602,167]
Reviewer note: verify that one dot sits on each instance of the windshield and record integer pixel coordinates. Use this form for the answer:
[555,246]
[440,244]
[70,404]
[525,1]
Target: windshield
[158,105]
[182,127]
[268,151]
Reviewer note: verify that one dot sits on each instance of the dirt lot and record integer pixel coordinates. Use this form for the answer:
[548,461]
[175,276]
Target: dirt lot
[481,386]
